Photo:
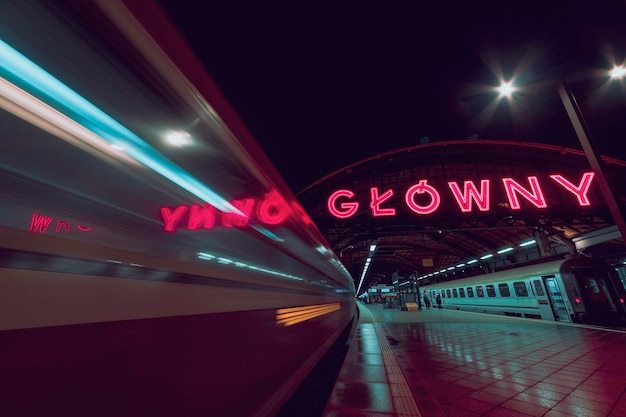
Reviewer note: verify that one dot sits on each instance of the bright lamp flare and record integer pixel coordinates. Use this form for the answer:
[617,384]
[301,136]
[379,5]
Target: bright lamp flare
[178,139]
[618,72]
[506,89]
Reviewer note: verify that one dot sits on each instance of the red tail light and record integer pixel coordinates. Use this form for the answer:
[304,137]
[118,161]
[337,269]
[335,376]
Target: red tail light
[577,300]
[621,300]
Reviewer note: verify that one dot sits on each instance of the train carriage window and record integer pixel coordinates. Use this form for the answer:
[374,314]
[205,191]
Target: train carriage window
[470,292]
[491,291]
[479,291]
[448,292]
[504,290]
[454,293]
[538,288]
[462,292]
[621,272]
[520,289]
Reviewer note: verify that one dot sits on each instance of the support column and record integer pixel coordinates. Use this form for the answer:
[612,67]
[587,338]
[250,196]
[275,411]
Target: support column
[543,243]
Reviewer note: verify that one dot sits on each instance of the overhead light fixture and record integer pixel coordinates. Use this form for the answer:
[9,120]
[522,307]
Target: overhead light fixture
[365,268]
[178,139]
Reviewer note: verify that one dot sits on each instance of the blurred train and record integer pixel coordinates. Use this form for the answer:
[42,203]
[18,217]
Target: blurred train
[152,260]
[575,290]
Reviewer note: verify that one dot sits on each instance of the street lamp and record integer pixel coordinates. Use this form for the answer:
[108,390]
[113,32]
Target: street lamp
[618,72]
[506,89]
[580,127]
[593,156]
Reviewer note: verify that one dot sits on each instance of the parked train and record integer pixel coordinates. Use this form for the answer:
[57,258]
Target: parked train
[152,261]
[578,290]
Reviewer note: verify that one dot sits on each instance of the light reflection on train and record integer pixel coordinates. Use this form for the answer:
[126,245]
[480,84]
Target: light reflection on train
[579,290]
[138,277]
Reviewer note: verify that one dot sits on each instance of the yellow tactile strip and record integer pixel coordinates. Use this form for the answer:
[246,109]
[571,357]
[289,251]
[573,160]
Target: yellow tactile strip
[403,401]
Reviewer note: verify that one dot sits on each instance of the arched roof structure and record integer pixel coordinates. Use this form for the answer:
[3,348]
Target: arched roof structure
[439,244]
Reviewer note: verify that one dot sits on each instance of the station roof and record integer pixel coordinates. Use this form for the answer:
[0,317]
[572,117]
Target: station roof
[408,242]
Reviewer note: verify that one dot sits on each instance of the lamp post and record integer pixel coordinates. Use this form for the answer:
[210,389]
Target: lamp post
[595,161]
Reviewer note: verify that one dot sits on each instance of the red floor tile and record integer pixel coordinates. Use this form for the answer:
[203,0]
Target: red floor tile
[451,364]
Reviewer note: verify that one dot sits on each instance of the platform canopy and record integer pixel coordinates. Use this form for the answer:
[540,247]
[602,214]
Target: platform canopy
[439,210]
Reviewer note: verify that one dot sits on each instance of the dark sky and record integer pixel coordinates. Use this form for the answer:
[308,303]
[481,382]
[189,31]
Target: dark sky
[323,85]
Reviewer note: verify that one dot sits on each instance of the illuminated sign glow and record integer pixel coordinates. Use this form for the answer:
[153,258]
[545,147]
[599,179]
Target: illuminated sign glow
[40,223]
[270,211]
[345,209]
[377,200]
[581,191]
[470,193]
[464,198]
[422,188]
[513,188]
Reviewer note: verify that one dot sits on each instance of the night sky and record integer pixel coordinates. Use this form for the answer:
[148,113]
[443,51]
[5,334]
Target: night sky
[322,86]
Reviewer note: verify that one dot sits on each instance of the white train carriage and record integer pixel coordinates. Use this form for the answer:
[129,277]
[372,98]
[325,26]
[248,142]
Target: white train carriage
[579,290]
[152,260]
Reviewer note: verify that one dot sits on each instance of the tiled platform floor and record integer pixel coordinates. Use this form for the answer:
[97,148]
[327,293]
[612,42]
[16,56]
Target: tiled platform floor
[437,363]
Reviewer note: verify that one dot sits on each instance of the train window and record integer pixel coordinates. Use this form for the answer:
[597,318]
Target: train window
[504,290]
[462,292]
[454,293]
[593,284]
[479,291]
[470,292]
[491,291]
[448,292]
[520,289]
[538,287]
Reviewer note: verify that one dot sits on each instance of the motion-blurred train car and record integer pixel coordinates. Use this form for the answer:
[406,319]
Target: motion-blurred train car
[152,261]
[579,290]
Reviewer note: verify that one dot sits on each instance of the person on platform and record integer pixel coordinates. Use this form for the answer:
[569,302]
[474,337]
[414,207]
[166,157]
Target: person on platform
[438,300]
[426,301]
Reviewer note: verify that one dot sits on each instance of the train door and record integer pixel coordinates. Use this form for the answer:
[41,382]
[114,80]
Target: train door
[555,297]
[546,309]
[600,296]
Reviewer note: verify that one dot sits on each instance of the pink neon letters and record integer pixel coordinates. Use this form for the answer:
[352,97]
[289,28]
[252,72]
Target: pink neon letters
[581,191]
[378,200]
[465,198]
[513,188]
[422,188]
[471,193]
[345,210]
[40,223]
[272,210]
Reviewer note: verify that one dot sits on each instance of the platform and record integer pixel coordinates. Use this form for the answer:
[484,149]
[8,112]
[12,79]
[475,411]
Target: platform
[438,363]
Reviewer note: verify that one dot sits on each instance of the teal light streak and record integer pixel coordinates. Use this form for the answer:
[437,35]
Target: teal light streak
[27,75]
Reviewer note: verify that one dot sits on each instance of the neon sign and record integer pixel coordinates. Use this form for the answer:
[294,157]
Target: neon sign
[40,223]
[271,211]
[341,204]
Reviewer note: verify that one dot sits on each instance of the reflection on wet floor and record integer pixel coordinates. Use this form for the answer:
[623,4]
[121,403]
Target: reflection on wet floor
[444,363]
